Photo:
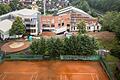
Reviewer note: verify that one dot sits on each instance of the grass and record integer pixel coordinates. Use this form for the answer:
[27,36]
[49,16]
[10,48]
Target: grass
[112,62]
[108,44]
[111,58]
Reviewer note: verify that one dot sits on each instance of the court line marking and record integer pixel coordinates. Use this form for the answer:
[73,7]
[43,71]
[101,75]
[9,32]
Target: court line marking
[77,73]
[31,73]
[97,77]
[20,72]
[4,77]
[91,74]
[34,76]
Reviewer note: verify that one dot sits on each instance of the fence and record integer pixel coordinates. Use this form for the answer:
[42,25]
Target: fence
[77,57]
[107,68]
[1,58]
[23,57]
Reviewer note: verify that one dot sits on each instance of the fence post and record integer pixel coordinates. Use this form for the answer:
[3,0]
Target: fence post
[1,57]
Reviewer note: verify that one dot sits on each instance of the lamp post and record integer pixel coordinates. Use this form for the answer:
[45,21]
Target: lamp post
[44,3]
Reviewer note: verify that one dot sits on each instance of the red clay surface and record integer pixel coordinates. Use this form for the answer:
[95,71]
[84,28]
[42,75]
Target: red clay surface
[48,34]
[52,70]
[6,48]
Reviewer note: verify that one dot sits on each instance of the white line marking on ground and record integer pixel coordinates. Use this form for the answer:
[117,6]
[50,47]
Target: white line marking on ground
[92,76]
[97,77]
[64,77]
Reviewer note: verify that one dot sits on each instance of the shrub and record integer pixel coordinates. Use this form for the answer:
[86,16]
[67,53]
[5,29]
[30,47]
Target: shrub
[39,46]
[115,52]
[80,45]
[54,47]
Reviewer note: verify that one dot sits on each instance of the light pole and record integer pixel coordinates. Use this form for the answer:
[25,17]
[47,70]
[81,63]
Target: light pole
[44,3]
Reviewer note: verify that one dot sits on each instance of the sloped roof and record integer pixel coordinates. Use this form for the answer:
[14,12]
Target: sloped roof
[5,25]
[71,8]
[24,12]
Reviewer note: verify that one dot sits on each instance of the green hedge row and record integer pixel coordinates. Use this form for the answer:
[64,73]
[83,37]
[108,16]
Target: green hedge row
[75,45]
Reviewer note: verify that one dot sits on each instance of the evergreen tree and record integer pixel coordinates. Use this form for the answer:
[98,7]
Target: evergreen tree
[18,27]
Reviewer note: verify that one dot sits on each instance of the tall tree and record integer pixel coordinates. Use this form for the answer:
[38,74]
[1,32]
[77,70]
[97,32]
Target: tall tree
[18,27]
[81,27]
[4,8]
[39,47]
[108,21]
[14,4]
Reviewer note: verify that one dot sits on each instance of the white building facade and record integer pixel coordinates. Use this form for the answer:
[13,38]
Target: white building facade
[29,17]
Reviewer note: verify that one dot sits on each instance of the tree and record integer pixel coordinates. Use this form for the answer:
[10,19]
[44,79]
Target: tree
[80,45]
[81,4]
[18,27]
[4,8]
[81,27]
[39,47]
[54,47]
[117,26]
[14,4]
[71,46]
[109,21]
[115,52]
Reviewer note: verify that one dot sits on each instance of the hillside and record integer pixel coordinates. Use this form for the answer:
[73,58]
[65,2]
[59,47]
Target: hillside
[95,7]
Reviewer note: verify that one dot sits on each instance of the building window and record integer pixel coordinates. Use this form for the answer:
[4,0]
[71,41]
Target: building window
[59,25]
[27,20]
[27,25]
[32,25]
[33,30]
[62,24]
[52,25]
[97,27]
[68,25]
[74,27]
[88,27]
[45,25]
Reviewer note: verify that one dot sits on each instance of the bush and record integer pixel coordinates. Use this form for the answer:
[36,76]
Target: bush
[80,45]
[54,47]
[38,46]
[115,52]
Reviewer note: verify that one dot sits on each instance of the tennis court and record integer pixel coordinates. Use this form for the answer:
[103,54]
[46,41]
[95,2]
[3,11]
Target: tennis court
[52,70]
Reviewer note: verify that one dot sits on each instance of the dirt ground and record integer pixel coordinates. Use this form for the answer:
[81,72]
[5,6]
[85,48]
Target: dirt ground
[6,47]
[52,70]
[105,35]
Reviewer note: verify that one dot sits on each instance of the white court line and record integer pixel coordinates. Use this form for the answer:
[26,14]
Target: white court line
[20,72]
[60,77]
[1,74]
[32,78]
[63,75]
[34,74]
[92,77]
[97,77]
[4,77]
[77,73]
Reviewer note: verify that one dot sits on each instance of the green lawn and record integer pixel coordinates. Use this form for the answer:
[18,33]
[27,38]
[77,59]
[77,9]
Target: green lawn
[108,44]
[112,61]
[111,58]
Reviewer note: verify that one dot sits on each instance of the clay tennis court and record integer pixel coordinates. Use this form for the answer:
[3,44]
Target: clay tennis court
[52,70]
